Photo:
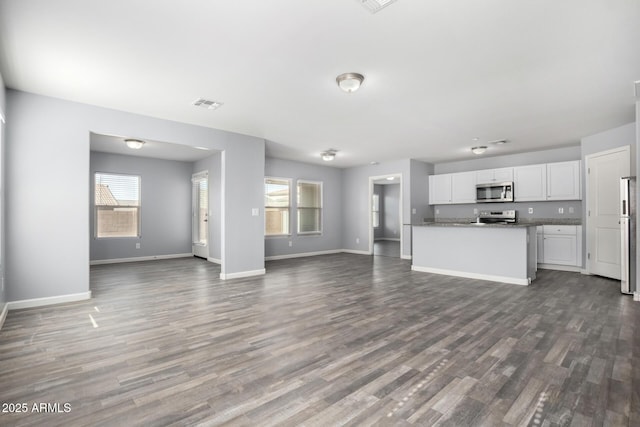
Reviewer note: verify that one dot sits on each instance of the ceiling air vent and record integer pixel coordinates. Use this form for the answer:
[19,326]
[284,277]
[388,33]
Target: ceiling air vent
[374,6]
[205,103]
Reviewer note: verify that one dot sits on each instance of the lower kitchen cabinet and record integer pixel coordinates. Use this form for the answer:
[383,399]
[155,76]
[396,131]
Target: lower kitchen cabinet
[561,245]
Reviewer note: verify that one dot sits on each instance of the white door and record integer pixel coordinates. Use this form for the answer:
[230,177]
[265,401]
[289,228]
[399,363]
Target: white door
[200,218]
[604,171]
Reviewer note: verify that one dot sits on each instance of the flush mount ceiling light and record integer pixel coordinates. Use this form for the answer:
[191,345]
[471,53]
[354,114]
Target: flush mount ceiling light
[479,149]
[374,6]
[349,82]
[134,144]
[208,104]
[328,155]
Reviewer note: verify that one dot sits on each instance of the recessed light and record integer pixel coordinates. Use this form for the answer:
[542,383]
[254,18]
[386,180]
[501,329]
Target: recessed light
[208,104]
[374,163]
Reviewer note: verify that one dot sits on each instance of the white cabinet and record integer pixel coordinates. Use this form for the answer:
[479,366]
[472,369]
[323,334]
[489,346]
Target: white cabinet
[463,187]
[440,189]
[561,245]
[564,181]
[530,183]
[450,188]
[488,176]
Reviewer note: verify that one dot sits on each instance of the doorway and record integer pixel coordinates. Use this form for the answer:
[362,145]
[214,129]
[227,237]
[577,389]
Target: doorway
[200,217]
[385,224]
[604,171]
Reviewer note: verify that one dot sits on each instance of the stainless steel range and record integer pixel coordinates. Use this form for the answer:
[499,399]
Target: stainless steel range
[497,217]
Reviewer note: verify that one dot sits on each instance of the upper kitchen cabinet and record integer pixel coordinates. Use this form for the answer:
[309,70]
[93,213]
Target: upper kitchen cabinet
[440,189]
[451,188]
[463,187]
[564,181]
[530,183]
[488,176]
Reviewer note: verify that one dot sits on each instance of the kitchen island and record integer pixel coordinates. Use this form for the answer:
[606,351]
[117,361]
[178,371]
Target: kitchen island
[497,252]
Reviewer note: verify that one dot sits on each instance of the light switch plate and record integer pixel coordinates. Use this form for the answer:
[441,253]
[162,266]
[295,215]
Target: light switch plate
[255,211]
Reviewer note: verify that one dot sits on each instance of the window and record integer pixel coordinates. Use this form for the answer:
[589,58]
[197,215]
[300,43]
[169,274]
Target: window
[375,210]
[117,205]
[309,207]
[276,206]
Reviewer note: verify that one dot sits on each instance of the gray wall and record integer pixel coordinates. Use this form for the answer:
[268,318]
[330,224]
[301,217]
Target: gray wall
[521,159]
[541,210]
[213,165]
[165,213]
[331,178]
[47,148]
[3,293]
[391,225]
[603,141]
[637,198]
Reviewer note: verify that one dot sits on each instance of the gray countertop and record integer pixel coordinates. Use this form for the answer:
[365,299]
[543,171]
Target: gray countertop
[522,222]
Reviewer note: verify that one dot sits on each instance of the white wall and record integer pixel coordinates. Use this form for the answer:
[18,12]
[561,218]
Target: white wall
[47,152]
[165,212]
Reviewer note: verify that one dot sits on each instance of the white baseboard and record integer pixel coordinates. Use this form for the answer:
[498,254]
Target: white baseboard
[39,302]
[390,239]
[214,260]
[636,296]
[140,258]
[242,274]
[406,257]
[302,254]
[353,251]
[559,267]
[501,279]
[3,315]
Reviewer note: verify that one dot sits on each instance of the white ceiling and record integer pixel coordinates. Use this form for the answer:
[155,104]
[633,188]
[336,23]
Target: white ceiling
[154,149]
[540,73]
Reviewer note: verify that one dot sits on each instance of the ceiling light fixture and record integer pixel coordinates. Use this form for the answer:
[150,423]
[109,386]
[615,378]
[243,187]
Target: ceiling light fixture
[349,82]
[479,149]
[208,104]
[134,144]
[328,155]
[374,6]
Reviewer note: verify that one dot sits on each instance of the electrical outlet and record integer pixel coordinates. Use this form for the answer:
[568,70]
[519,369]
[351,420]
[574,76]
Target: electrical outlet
[414,211]
[560,210]
[475,211]
[357,240]
[138,245]
[571,209]
[290,243]
[437,211]
[530,210]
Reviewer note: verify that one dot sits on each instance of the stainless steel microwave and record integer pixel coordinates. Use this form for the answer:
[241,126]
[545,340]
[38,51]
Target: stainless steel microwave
[494,192]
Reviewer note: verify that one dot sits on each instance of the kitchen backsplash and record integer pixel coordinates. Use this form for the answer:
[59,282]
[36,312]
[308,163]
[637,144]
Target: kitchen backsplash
[571,210]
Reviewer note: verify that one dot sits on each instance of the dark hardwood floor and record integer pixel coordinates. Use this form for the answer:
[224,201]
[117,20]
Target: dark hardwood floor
[386,248]
[323,341]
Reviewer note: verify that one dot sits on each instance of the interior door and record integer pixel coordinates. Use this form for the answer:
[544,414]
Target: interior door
[200,217]
[604,171]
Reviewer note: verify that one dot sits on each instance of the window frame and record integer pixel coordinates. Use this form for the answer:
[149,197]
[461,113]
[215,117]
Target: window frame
[320,208]
[288,208]
[375,210]
[96,207]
